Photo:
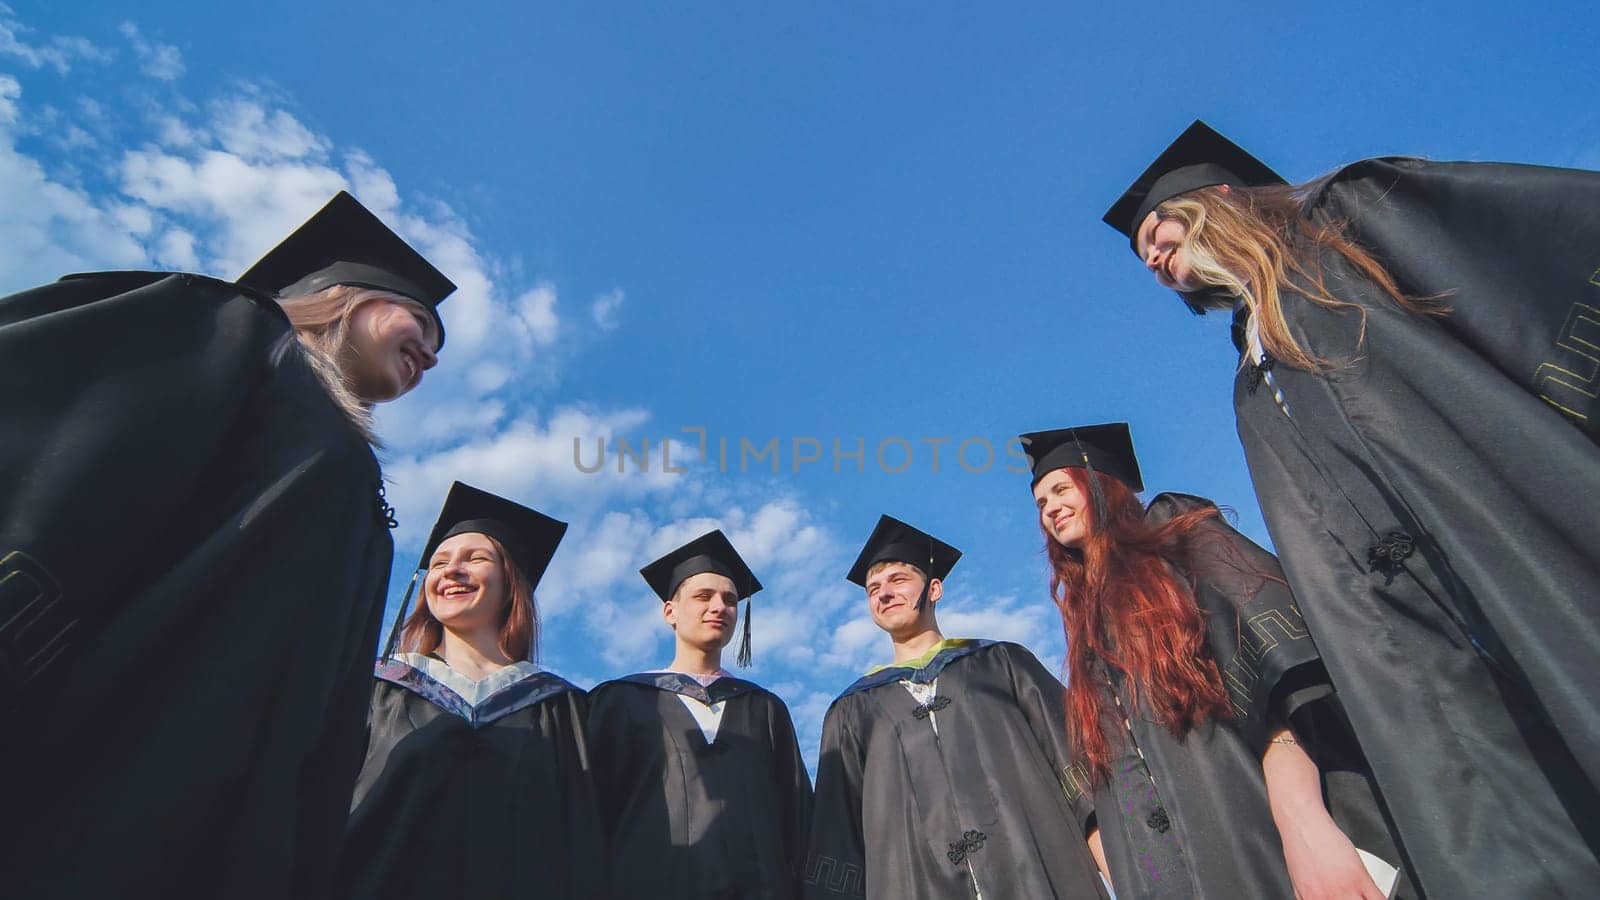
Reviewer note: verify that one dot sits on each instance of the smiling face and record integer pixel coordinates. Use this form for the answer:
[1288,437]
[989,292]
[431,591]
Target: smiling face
[389,345]
[1062,507]
[892,592]
[1162,246]
[465,587]
[703,611]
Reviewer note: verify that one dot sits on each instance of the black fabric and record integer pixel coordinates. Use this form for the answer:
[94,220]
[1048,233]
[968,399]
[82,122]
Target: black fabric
[529,536]
[1188,817]
[495,806]
[895,541]
[710,552]
[686,819]
[1199,157]
[1104,448]
[1434,503]
[203,554]
[344,243]
[904,813]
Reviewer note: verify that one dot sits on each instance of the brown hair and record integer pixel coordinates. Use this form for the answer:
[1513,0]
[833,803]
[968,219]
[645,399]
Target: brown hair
[519,618]
[1255,243]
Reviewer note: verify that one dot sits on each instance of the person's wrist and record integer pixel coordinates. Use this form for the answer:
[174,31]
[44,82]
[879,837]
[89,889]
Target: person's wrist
[1301,814]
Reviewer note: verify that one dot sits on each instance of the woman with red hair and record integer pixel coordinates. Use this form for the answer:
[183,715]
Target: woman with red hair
[476,782]
[1191,683]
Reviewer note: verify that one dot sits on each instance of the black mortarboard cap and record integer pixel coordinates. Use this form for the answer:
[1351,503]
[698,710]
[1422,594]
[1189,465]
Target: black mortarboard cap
[530,537]
[1200,157]
[710,552]
[1103,448]
[894,540]
[344,243]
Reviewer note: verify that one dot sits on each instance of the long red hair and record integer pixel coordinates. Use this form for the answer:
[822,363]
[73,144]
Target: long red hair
[1126,601]
[519,618]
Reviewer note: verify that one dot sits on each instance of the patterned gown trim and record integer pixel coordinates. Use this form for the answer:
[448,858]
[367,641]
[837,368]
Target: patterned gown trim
[532,688]
[923,675]
[724,688]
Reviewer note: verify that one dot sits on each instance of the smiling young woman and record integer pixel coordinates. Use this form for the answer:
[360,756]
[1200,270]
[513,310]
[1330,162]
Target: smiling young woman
[1190,673]
[369,346]
[188,479]
[476,782]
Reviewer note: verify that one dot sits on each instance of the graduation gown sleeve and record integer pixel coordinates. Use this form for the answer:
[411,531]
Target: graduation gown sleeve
[1255,633]
[180,498]
[1042,701]
[1510,249]
[794,787]
[836,861]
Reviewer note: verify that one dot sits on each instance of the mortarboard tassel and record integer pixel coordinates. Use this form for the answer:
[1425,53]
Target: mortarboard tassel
[400,616]
[743,657]
[927,580]
[1097,496]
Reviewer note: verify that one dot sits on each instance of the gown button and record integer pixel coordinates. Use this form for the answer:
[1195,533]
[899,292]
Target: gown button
[1159,820]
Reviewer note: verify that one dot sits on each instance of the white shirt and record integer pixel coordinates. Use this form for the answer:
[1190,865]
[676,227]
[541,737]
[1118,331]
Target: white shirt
[707,715]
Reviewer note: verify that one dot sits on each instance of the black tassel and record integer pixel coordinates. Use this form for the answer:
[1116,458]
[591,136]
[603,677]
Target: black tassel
[927,580]
[400,616]
[1098,496]
[743,657]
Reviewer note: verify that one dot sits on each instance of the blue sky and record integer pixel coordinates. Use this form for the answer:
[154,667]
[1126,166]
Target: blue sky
[837,222]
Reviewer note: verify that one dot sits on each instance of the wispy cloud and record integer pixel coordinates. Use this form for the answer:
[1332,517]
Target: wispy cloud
[54,52]
[159,61]
[605,309]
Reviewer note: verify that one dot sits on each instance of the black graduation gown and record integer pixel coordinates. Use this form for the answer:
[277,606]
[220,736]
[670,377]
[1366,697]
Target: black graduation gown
[687,820]
[1434,502]
[1188,817]
[484,801]
[193,561]
[903,813]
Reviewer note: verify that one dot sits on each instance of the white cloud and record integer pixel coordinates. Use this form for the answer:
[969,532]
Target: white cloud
[857,644]
[10,92]
[1001,619]
[49,228]
[606,309]
[160,61]
[249,130]
[525,461]
[57,53]
[536,310]
[175,250]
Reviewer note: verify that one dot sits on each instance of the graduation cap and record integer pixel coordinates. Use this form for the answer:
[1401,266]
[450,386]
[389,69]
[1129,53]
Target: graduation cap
[529,537]
[1104,448]
[895,541]
[344,243]
[710,552]
[1200,157]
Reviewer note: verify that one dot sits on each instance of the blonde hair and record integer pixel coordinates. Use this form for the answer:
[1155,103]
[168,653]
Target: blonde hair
[321,320]
[1253,243]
